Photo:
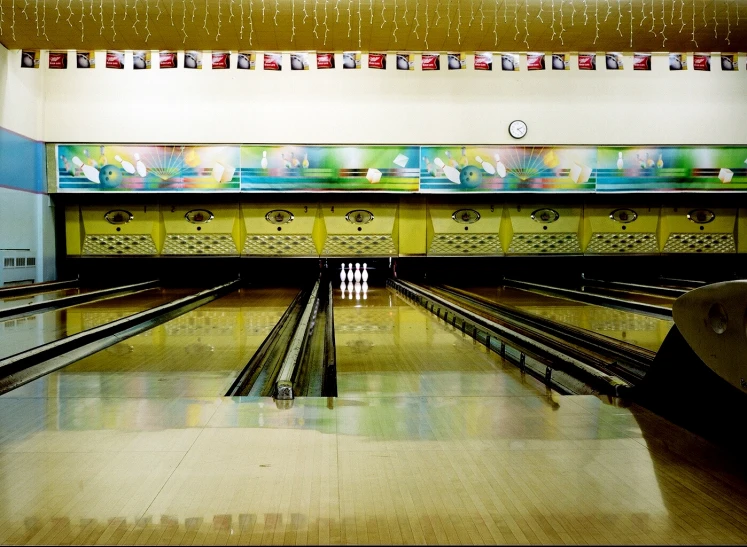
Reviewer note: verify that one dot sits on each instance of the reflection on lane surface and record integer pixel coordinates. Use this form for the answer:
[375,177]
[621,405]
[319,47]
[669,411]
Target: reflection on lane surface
[386,346]
[635,328]
[27,332]
[198,354]
[26,299]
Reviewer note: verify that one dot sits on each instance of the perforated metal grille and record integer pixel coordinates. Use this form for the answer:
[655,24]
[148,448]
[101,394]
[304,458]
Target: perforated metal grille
[700,243]
[285,245]
[618,242]
[465,244]
[96,244]
[199,244]
[368,245]
[532,243]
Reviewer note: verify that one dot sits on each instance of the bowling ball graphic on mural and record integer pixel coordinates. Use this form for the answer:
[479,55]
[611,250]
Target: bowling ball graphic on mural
[110,176]
[470,177]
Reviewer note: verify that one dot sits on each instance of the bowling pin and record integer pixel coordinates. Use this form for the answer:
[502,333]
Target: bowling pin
[357,273]
[140,166]
[649,161]
[364,274]
[619,160]
[452,161]
[89,171]
[263,163]
[660,162]
[450,172]
[463,161]
[350,272]
[126,165]
[342,273]
[294,160]
[102,157]
[286,163]
[92,162]
[429,166]
[305,162]
[499,167]
[485,165]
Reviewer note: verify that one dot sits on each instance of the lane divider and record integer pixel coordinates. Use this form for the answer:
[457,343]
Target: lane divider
[34,288]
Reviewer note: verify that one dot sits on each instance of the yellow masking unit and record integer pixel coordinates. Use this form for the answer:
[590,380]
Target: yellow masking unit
[464,230]
[626,229]
[201,229]
[358,229]
[541,229]
[742,231]
[122,229]
[280,229]
[73,230]
[698,230]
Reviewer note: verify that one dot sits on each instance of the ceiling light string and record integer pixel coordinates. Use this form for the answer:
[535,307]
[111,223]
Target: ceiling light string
[573,13]
[596,21]
[359,24]
[482,13]
[693,29]
[350,18]
[69,9]
[619,18]
[705,23]
[44,20]
[728,24]
[459,23]
[204,22]
[125,11]
[137,18]
[251,21]
[370,9]
[13,20]
[305,13]
[101,17]
[56,8]
[326,28]
[241,8]
[516,18]
[184,21]
[404,15]
[526,24]
[630,12]
[448,18]
[36,15]
[217,34]
[539,13]
[664,22]
[263,11]
[737,5]
[82,24]
[91,12]
[438,15]
[471,12]
[394,20]
[337,10]
[682,11]
[26,4]
[715,22]
[643,12]
[653,19]
[194,10]
[230,11]
[495,22]
[562,27]
[415,18]
[316,19]
[671,14]
[586,8]
[2,17]
[553,21]
[147,20]
[425,38]
[383,16]
[158,17]
[275,15]
[114,13]
[609,10]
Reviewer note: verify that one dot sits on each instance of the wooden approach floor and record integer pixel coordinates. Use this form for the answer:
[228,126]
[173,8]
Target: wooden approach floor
[432,441]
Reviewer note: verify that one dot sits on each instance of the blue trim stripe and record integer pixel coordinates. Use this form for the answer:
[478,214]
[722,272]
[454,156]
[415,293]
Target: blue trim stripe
[22,165]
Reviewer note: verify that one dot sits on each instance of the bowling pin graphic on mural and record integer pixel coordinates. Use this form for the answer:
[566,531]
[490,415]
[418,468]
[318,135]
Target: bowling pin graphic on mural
[660,162]
[89,171]
[126,165]
[619,160]
[450,172]
[263,163]
[489,169]
[499,167]
[140,166]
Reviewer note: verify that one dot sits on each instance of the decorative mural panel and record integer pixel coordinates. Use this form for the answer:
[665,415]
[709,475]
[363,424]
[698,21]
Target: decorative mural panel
[424,169]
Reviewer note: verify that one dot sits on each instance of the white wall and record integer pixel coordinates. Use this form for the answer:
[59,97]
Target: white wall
[26,217]
[371,106]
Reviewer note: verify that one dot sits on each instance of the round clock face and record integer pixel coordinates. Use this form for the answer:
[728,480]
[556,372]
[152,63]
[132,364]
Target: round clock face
[517,129]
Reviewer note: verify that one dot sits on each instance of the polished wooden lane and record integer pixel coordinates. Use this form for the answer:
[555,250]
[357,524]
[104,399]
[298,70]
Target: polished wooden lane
[198,354]
[27,332]
[639,329]
[26,299]
[393,463]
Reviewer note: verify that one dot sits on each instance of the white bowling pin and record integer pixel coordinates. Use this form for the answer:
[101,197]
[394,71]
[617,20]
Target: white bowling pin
[450,172]
[357,273]
[350,272]
[619,160]
[263,163]
[89,171]
[342,273]
[485,165]
[364,274]
[140,166]
[126,165]
[499,167]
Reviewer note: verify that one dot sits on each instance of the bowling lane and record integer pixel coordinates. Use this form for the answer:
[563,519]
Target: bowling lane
[27,332]
[638,329]
[633,296]
[388,347]
[198,354]
[26,299]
